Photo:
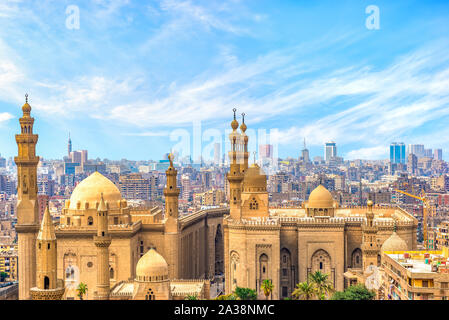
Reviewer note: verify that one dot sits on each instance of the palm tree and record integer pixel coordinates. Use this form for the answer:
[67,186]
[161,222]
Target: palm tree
[267,287]
[82,290]
[191,297]
[304,291]
[322,284]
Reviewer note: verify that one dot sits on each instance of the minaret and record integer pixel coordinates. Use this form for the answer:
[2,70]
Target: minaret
[370,248]
[69,146]
[235,177]
[27,206]
[47,285]
[102,241]
[244,139]
[171,193]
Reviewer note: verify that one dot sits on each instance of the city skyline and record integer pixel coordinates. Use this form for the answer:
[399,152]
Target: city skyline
[322,78]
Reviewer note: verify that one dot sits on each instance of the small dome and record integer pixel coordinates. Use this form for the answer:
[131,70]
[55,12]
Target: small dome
[394,243]
[26,108]
[243,127]
[255,177]
[234,124]
[151,264]
[320,197]
[90,190]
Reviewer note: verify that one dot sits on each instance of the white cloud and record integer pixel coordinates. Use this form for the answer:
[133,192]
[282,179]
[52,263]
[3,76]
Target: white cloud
[5,116]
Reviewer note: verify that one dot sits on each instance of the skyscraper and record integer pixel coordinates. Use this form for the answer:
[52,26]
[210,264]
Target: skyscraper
[438,154]
[412,163]
[416,149]
[397,152]
[330,150]
[217,152]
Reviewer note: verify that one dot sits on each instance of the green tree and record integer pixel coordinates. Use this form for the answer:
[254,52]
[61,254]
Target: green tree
[267,287]
[191,297]
[356,292]
[82,290]
[245,293]
[304,291]
[230,296]
[322,284]
[3,276]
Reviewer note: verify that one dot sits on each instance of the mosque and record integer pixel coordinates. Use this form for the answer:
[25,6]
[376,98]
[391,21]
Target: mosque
[119,252]
[123,253]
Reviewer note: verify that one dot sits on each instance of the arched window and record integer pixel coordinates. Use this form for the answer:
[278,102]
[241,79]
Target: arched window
[321,261]
[150,295]
[356,258]
[253,205]
[90,221]
[111,273]
[46,283]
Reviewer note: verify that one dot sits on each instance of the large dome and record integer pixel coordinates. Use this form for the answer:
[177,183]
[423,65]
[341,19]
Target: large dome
[90,190]
[152,264]
[394,243]
[320,197]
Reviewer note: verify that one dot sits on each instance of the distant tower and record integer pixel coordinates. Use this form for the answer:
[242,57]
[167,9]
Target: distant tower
[330,151]
[69,146]
[27,204]
[235,177]
[102,241]
[305,153]
[370,248]
[171,193]
[48,287]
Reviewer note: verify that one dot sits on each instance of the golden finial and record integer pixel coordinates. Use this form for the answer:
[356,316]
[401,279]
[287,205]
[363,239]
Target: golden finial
[243,125]
[26,107]
[234,123]
[26,97]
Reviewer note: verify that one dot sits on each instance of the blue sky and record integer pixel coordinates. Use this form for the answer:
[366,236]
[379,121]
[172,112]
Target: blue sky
[138,73]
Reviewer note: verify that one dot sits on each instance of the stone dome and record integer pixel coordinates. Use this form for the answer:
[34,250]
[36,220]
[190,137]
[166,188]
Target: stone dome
[152,267]
[90,190]
[255,177]
[394,243]
[320,197]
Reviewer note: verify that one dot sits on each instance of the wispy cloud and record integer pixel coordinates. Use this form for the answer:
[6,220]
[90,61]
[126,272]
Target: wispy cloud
[5,116]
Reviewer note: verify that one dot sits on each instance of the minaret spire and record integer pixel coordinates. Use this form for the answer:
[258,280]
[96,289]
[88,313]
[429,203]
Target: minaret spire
[27,225]
[48,287]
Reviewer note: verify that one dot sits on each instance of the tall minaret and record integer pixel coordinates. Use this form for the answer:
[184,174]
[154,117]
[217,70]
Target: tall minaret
[235,177]
[244,139]
[69,147]
[27,206]
[47,285]
[171,193]
[102,241]
[370,247]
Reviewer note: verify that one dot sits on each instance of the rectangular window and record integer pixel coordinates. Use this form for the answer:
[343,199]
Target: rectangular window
[284,291]
[444,285]
[425,283]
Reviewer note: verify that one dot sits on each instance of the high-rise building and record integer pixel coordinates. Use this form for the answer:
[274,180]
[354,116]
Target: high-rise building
[134,186]
[330,151]
[438,154]
[412,163]
[79,156]
[217,152]
[266,151]
[397,152]
[305,153]
[428,153]
[416,149]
